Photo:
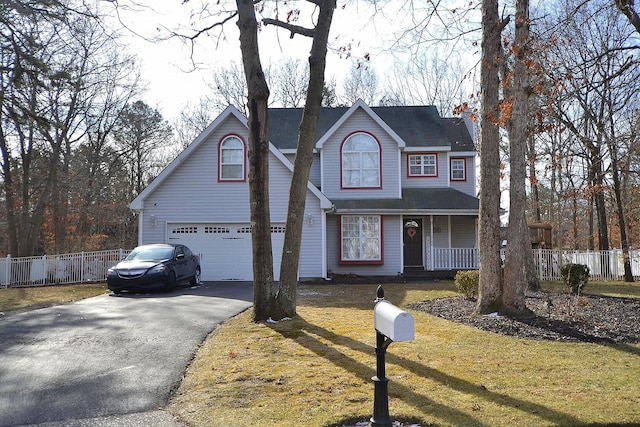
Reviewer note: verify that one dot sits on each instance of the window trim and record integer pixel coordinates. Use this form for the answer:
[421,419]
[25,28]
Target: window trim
[410,175]
[361,187]
[464,169]
[378,261]
[244,159]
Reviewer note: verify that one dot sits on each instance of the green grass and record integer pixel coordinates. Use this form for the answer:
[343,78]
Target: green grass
[18,299]
[316,369]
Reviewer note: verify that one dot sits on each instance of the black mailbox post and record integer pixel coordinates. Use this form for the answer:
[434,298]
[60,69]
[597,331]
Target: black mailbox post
[391,324]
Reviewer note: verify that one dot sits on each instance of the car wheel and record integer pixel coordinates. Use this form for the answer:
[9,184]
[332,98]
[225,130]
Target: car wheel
[171,282]
[196,280]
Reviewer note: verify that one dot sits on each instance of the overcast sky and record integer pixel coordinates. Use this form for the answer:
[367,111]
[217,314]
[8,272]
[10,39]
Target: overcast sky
[169,71]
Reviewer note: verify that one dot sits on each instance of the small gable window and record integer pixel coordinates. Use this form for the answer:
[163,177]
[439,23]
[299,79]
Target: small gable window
[360,161]
[232,159]
[458,168]
[361,239]
[422,165]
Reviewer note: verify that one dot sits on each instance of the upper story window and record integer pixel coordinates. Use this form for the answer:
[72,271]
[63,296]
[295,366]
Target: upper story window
[360,162]
[423,165]
[232,159]
[458,170]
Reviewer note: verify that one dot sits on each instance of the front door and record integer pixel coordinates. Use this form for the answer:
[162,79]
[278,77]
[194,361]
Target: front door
[412,239]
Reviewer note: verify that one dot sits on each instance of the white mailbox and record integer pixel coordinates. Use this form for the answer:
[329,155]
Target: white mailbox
[393,322]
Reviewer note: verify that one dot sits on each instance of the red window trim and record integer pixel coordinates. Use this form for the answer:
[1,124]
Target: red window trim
[464,169]
[361,262]
[409,175]
[244,155]
[378,187]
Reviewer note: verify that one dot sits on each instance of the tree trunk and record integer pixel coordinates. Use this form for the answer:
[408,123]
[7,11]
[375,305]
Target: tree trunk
[287,287]
[490,289]
[518,252]
[258,95]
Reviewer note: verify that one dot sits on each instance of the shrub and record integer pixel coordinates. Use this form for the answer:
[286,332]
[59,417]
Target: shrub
[467,283]
[574,277]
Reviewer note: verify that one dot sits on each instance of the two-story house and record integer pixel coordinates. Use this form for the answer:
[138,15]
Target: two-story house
[391,189]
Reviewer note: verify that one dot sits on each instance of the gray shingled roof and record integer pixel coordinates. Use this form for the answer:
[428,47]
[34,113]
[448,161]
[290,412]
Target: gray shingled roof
[419,126]
[415,199]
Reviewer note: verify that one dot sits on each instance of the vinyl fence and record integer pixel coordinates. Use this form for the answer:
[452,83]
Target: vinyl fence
[603,265]
[81,267]
[88,267]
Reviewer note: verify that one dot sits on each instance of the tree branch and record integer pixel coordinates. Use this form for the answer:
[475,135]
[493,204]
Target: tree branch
[626,7]
[295,29]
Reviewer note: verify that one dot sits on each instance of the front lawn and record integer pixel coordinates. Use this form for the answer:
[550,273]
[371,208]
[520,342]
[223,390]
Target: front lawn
[17,299]
[316,369]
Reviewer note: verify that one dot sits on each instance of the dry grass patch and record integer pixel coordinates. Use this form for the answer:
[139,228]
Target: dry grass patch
[316,369]
[18,299]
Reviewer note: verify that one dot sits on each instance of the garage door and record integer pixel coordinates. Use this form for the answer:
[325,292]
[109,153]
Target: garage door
[225,249]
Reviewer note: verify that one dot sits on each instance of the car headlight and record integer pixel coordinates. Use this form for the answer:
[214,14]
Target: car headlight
[111,271]
[160,268]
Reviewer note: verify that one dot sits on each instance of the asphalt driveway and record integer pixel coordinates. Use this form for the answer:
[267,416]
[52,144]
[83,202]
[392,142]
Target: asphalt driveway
[108,355]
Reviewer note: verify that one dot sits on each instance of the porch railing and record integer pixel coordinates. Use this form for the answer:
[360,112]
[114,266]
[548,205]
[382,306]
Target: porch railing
[57,269]
[603,265]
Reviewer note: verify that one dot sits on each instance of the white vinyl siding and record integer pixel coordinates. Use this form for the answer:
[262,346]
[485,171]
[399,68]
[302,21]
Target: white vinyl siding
[391,241]
[360,121]
[193,195]
[441,179]
[467,186]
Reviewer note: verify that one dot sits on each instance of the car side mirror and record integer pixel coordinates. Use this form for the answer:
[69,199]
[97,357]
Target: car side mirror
[180,256]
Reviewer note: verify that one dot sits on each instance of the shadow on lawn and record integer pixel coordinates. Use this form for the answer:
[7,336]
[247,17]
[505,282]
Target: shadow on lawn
[418,400]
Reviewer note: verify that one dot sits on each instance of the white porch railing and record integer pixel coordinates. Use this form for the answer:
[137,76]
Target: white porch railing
[455,259]
[603,265]
[57,269]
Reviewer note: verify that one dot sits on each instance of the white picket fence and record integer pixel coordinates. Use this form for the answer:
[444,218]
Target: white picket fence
[88,267]
[603,265]
[81,267]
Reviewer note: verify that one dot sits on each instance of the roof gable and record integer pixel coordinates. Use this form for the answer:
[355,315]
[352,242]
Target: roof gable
[410,126]
[359,105]
[229,112]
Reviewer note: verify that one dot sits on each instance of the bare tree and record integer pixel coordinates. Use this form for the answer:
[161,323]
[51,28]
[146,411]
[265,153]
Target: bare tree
[518,251]
[490,289]
[50,65]
[141,134]
[361,83]
[428,79]
[289,80]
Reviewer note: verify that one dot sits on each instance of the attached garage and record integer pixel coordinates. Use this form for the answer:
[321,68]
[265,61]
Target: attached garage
[224,248]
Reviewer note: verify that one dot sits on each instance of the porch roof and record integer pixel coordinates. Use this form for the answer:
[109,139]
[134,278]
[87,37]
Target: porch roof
[432,201]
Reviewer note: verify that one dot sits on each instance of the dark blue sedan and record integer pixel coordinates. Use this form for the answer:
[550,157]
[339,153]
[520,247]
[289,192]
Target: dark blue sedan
[155,267]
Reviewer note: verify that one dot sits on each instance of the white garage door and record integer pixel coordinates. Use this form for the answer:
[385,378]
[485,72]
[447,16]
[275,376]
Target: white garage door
[225,249]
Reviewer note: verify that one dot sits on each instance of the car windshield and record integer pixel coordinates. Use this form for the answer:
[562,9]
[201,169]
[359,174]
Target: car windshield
[150,253]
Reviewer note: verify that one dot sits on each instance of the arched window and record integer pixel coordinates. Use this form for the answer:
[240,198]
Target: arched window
[232,159]
[360,162]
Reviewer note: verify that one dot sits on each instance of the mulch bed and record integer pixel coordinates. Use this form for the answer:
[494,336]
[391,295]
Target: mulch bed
[557,317]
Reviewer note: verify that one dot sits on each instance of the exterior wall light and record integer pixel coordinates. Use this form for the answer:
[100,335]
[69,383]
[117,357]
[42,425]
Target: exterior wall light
[154,220]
